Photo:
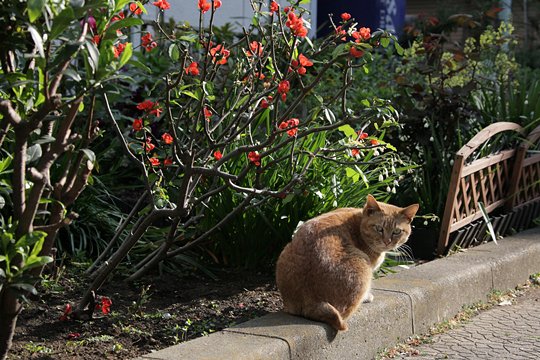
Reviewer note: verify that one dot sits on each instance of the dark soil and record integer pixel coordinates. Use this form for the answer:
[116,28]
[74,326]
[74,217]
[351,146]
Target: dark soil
[149,316]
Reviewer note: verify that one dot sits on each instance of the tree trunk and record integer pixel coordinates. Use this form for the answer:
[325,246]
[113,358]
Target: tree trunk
[10,307]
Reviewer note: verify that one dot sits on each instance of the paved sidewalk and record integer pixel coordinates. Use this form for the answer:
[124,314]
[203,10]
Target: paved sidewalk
[503,332]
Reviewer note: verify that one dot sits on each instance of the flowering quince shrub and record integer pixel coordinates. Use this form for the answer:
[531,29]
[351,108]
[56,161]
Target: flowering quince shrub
[230,119]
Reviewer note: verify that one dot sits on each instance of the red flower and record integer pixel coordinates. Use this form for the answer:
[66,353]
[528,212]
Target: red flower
[192,69]
[255,158]
[345,16]
[301,64]
[340,31]
[104,305]
[286,9]
[218,155]
[118,49]
[154,161]
[363,33]
[217,4]
[292,125]
[96,39]
[162,4]
[136,9]
[374,142]
[283,88]
[274,7]
[137,124]
[148,146]
[120,16]
[147,42]
[146,105]
[157,111]
[355,152]
[73,336]
[67,311]
[362,135]
[167,138]
[296,24]
[220,51]
[207,113]
[167,162]
[355,52]
[204,6]
[255,48]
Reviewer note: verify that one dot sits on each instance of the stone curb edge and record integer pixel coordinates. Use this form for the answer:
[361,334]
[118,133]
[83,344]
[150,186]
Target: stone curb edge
[405,303]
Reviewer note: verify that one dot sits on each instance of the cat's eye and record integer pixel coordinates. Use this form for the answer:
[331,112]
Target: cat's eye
[396,231]
[379,228]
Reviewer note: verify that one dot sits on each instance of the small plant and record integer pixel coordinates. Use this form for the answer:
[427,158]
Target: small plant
[137,306]
[34,348]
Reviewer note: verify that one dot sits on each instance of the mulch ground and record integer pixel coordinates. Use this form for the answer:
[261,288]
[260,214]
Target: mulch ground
[144,317]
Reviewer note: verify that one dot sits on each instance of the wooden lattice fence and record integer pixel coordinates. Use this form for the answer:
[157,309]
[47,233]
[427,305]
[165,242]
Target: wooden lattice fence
[508,179]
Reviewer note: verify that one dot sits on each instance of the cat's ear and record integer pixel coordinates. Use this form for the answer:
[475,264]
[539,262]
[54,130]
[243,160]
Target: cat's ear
[372,206]
[410,211]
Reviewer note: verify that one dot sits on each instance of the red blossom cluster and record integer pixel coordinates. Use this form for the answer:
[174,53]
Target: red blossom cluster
[119,49]
[296,24]
[162,4]
[147,42]
[135,9]
[204,5]
[220,54]
[255,49]
[362,34]
[104,305]
[274,7]
[192,69]
[301,64]
[345,16]
[218,155]
[291,125]
[137,124]
[207,113]
[283,88]
[265,103]
[255,158]
[150,107]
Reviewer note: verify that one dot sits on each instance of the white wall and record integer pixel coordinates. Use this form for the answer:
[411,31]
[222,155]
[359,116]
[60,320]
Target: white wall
[238,12]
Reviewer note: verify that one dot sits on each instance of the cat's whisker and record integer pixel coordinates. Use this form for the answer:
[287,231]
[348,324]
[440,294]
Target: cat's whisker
[405,253]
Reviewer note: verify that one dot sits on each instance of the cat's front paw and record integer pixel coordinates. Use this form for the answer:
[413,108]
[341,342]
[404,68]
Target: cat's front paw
[368,298]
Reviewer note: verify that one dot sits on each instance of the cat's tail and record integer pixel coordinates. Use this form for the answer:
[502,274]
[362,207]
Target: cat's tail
[327,313]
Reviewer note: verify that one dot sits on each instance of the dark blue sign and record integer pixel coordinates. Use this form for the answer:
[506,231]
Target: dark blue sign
[375,14]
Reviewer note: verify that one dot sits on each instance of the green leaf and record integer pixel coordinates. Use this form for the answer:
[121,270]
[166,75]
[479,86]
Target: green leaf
[347,130]
[488,222]
[33,153]
[89,154]
[174,52]
[398,48]
[93,58]
[190,94]
[339,50]
[140,65]
[124,23]
[4,164]
[38,41]
[45,139]
[120,4]
[24,287]
[353,174]
[35,9]
[126,55]
[61,22]
[385,42]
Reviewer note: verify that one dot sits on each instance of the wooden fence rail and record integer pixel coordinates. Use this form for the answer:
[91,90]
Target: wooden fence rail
[489,180]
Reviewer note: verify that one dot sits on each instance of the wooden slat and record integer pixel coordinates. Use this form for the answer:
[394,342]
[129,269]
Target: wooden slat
[487,161]
[465,221]
[485,134]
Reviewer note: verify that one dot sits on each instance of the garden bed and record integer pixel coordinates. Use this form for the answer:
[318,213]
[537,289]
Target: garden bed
[142,318]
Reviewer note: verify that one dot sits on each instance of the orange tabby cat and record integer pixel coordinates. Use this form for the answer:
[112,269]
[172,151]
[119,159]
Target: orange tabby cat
[325,272]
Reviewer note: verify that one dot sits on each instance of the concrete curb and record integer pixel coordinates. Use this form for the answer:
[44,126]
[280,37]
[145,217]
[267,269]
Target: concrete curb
[405,303]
